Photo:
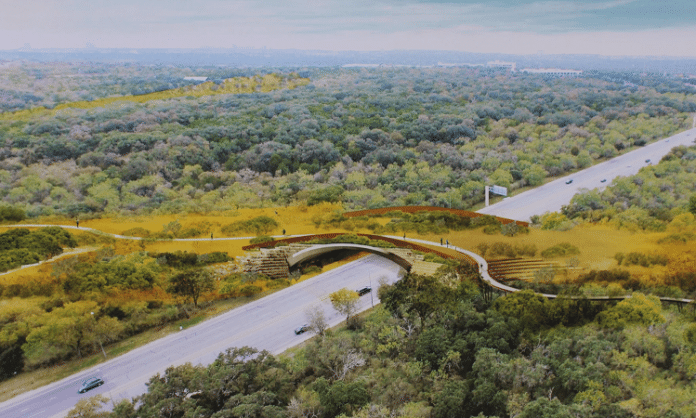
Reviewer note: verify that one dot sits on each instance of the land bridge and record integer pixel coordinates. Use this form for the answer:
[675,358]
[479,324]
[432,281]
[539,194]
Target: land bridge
[276,258]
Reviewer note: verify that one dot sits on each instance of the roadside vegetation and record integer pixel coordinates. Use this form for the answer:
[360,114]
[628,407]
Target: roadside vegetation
[432,350]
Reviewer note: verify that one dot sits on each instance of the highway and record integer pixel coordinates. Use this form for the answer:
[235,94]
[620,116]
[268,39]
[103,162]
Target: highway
[553,195]
[266,324]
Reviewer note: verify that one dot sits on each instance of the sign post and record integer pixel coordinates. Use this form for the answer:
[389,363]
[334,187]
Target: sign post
[499,190]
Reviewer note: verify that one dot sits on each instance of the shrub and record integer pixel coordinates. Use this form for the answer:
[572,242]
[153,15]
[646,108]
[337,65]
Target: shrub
[434,258]
[249,290]
[261,239]
[510,230]
[604,276]
[485,220]
[545,274]
[482,249]
[560,250]
[677,238]
[556,222]
[259,225]
[330,194]
[178,259]
[214,257]
[136,232]
[311,269]
[491,229]
[528,250]
[640,259]
[352,239]
[501,249]
[12,214]
[17,257]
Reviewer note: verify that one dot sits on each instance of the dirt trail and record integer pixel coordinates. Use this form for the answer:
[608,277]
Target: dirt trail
[65,254]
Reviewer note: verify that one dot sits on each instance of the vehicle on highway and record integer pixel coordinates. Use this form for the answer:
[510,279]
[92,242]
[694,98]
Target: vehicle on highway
[603,181]
[365,290]
[90,384]
[648,160]
[569,181]
[304,328]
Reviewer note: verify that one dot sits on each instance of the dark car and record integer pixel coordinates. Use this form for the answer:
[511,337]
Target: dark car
[604,180]
[365,290]
[569,181]
[648,160]
[90,383]
[304,328]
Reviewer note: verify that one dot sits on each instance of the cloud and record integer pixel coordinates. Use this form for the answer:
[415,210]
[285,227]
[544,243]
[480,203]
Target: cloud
[357,24]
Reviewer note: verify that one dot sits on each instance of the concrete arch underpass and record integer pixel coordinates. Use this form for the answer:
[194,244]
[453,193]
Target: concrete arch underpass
[320,249]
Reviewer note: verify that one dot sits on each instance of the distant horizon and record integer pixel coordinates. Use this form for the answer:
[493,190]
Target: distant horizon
[588,27]
[29,48]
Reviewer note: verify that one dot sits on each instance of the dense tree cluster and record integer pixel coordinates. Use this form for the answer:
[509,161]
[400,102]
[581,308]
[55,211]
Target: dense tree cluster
[29,84]
[21,246]
[93,298]
[432,350]
[650,200]
[365,137]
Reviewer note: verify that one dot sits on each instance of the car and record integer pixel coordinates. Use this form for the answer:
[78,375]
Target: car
[648,160]
[603,180]
[300,330]
[569,181]
[90,384]
[365,290]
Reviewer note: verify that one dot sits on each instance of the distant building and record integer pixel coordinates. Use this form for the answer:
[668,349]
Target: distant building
[458,64]
[196,78]
[502,64]
[553,71]
[358,65]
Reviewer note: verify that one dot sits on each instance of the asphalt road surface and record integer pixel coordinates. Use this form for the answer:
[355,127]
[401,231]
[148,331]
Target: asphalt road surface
[553,195]
[266,324]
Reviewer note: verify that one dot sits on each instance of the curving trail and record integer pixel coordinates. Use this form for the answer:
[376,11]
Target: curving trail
[483,264]
[483,269]
[58,257]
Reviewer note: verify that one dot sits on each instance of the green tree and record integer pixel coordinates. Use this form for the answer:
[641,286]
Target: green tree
[534,175]
[340,397]
[422,295]
[692,204]
[67,331]
[11,213]
[191,284]
[638,309]
[451,401]
[531,309]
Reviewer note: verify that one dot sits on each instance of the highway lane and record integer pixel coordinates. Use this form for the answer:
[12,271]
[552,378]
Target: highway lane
[267,323]
[553,195]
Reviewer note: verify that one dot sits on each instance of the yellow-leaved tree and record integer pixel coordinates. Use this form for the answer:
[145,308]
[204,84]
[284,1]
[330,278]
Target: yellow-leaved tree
[345,301]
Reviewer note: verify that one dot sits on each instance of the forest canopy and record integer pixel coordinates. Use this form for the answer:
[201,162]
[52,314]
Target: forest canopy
[364,137]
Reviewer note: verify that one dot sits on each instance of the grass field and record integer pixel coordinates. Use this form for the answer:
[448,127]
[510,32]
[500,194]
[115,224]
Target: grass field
[597,243]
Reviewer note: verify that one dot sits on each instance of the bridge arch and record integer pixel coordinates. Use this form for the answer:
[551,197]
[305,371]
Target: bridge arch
[319,249]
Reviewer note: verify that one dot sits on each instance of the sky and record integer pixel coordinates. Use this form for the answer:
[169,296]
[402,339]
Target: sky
[605,27]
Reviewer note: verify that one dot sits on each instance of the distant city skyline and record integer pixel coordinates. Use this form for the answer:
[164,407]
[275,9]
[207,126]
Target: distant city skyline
[605,27]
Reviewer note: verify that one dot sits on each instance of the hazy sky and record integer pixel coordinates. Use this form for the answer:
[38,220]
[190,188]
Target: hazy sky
[609,27]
